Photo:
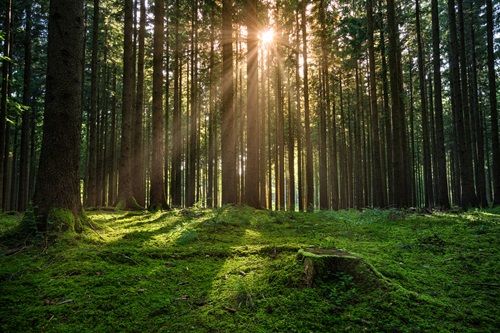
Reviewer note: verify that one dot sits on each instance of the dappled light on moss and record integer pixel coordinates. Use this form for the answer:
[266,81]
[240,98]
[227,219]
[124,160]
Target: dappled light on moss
[237,270]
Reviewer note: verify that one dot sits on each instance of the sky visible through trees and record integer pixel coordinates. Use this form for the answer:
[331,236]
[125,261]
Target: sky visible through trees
[286,105]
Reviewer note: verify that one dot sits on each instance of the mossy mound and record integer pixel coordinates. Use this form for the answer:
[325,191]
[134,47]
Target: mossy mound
[329,262]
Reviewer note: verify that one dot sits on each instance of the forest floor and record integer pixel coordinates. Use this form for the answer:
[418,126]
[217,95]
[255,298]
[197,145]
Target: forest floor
[237,270]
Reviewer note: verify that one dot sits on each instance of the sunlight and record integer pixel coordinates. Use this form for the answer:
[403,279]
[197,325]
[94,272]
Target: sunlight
[267,36]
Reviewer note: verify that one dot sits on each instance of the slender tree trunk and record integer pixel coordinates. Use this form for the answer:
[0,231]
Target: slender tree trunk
[158,199]
[387,119]
[92,161]
[229,193]
[442,199]
[378,186]
[252,167]
[401,183]
[495,142]
[429,197]
[300,172]
[212,124]
[324,202]
[469,197]
[5,84]
[125,191]
[25,129]
[138,181]
[176,177]
[309,154]
[58,182]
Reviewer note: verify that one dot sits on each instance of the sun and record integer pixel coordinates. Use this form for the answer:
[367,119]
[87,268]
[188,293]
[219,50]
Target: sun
[267,36]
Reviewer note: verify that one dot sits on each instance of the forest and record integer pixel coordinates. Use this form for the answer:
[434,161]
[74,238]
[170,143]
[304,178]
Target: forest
[249,166]
[284,105]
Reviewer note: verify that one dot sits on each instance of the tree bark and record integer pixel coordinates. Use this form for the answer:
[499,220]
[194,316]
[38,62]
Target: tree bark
[442,199]
[252,167]
[158,199]
[57,194]
[125,191]
[26,118]
[229,193]
[495,142]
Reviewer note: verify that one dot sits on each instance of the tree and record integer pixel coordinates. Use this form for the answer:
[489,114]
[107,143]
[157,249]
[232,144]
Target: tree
[429,198]
[157,197]
[307,125]
[378,187]
[495,142]
[125,195]
[139,182]
[252,167]
[442,199]
[229,193]
[398,113]
[25,129]
[91,197]
[57,202]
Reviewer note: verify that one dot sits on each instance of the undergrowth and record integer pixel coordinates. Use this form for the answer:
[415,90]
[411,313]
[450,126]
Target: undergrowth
[237,270]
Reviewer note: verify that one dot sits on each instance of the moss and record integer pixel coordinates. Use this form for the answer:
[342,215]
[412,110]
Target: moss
[63,219]
[180,271]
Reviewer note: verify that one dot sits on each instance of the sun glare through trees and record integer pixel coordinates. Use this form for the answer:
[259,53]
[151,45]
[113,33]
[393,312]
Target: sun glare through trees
[288,105]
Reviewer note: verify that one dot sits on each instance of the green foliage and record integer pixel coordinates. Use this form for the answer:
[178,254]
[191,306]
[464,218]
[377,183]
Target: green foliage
[237,270]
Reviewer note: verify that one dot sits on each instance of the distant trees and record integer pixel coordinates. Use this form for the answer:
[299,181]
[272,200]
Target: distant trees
[349,105]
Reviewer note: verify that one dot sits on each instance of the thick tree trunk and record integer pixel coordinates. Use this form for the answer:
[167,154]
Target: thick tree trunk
[57,194]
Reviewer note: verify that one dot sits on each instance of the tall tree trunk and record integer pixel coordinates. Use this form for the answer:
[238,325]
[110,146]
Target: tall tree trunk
[125,192]
[212,124]
[252,168]
[92,161]
[324,202]
[387,120]
[3,103]
[400,182]
[193,141]
[378,185]
[309,154]
[25,129]
[429,197]
[469,197]
[495,142]
[57,194]
[158,199]
[442,199]
[476,115]
[176,176]
[112,144]
[300,173]
[229,193]
[139,181]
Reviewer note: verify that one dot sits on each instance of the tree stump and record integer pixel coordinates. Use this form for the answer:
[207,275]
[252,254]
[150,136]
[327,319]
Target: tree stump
[320,262]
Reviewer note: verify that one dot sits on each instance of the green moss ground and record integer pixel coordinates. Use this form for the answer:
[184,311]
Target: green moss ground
[237,270]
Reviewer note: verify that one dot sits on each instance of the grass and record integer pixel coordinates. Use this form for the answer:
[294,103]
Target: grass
[237,270]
